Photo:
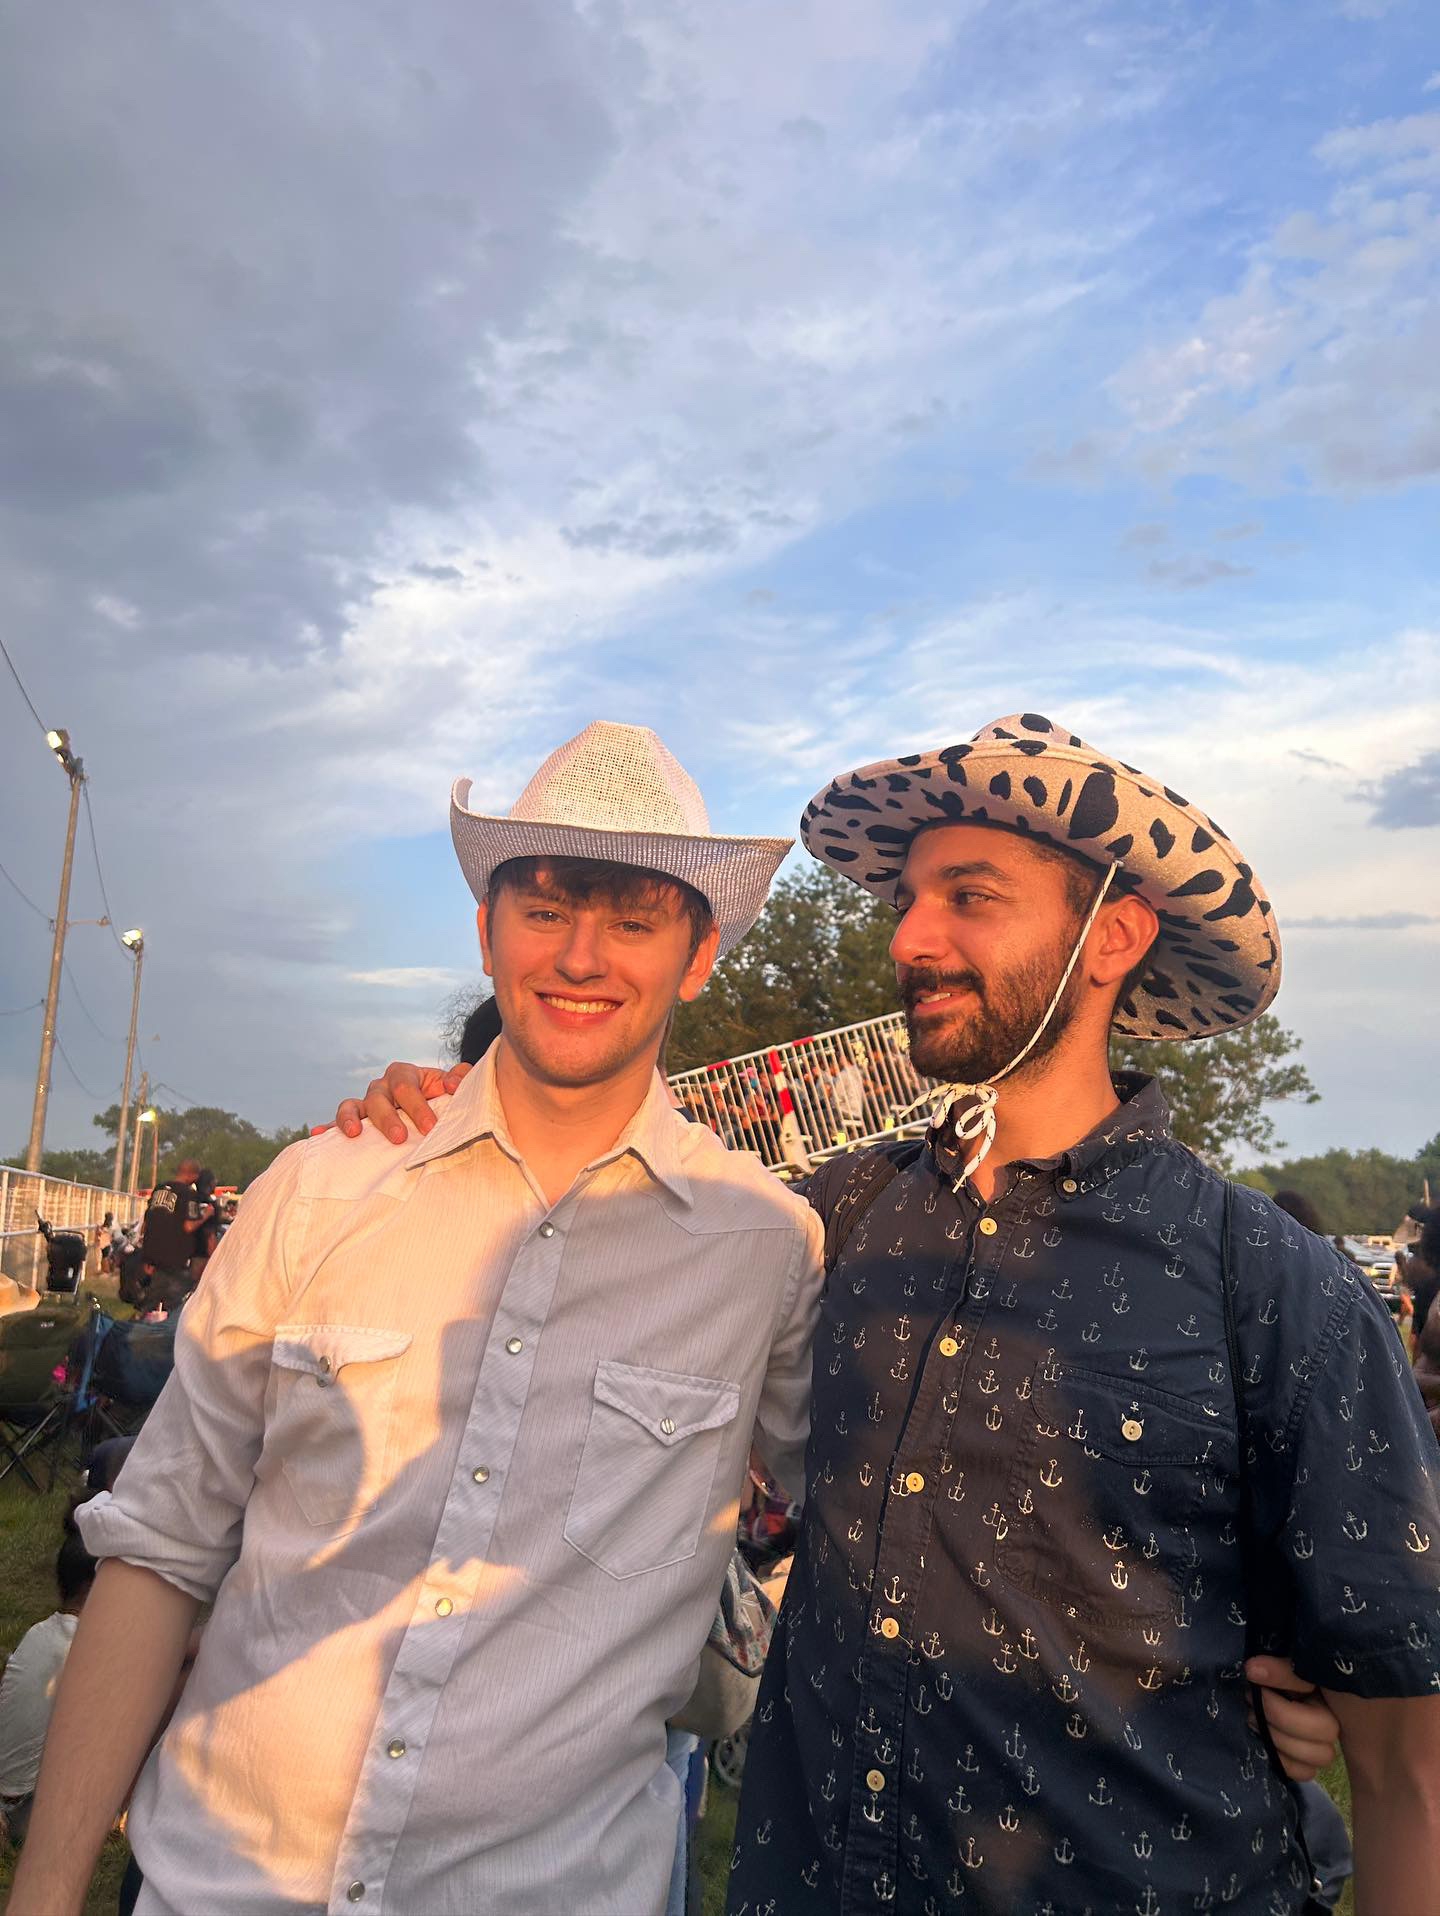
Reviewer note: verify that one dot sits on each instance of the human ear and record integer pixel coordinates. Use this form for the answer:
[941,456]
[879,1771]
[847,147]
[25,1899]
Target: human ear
[699,967]
[482,925]
[1124,932]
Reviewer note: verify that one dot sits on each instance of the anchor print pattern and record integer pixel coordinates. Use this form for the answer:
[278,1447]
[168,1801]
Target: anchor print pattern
[1028,1545]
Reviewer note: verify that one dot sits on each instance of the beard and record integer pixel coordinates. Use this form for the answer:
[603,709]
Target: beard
[988,1034]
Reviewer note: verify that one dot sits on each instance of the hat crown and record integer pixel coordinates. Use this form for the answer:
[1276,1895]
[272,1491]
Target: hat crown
[614,778]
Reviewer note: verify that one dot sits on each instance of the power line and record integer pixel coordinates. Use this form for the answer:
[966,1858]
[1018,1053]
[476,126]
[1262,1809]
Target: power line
[176,1094]
[23,896]
[23,693]
[74,1073]
[107,1036]
[95,848]
[19,1009]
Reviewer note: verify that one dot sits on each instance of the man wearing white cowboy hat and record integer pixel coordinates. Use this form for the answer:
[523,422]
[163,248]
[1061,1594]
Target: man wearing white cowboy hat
[942,1322]
[456,1438]
[1097,1423]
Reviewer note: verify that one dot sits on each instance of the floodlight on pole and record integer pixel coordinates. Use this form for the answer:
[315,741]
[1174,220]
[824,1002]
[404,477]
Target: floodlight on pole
[134,943]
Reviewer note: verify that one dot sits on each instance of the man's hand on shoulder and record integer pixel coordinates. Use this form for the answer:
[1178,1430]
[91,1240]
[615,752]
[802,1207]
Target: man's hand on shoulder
[406,1088]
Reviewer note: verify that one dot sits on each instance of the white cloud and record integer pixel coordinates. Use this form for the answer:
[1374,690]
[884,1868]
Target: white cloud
[1312,363]
[409,978]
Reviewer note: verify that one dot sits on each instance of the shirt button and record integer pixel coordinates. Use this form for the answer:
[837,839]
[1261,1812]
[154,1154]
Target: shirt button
[891,1629]
[948,1347]
[397,1748]
[355,1892]
[443,1607]
[547,1230]
[1132,1431]
[1069,1186]
[988,1227]
[667,1426]
[914,1481]
[480,1475]
[875,1779]
[514,1345]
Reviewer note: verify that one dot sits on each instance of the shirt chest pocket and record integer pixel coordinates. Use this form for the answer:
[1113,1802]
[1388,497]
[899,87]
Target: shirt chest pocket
[328,1415]
[647,1469]
[1105,1484]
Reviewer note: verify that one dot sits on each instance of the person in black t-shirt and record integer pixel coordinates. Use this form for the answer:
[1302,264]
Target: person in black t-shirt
[172,1218]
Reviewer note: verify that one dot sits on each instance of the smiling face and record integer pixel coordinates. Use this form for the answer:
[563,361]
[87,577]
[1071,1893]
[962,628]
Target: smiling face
[987,923]
[587,974]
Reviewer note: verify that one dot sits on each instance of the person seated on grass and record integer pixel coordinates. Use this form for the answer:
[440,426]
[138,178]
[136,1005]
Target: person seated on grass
[32,1676]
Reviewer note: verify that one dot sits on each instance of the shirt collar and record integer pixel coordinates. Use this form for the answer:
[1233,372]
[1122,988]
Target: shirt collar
[1143,1117]
[653,1136]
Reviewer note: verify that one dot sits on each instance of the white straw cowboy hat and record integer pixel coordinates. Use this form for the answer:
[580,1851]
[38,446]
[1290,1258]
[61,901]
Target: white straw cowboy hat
[614,792]
[1216,961]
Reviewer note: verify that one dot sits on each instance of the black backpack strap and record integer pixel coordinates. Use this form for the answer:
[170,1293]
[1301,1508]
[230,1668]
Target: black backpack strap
[866,1178]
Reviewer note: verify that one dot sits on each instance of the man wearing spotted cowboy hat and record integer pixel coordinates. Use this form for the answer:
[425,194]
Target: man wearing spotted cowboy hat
[1089,1423]
[865,1735]
[456,1437]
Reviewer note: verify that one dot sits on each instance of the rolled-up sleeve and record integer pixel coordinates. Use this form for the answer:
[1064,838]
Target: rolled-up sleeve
[782,1424]
[1362,1535]
[178,1506]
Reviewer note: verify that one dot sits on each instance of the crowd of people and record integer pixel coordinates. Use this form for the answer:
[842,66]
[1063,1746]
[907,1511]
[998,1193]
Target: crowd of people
[1118,1496]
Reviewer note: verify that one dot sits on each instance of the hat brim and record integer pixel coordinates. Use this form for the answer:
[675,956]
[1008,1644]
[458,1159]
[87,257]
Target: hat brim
[732,875]
[1216,962]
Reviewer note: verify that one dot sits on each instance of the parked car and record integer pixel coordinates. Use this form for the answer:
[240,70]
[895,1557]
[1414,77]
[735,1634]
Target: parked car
[1377,1261]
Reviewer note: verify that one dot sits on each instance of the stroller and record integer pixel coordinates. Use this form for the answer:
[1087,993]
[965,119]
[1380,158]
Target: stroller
[65,1255]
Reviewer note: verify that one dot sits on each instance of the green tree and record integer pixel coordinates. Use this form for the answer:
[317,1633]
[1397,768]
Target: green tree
[818,957]
[1219,1089]
[230,1146]
[80,1167]
[1360,1190]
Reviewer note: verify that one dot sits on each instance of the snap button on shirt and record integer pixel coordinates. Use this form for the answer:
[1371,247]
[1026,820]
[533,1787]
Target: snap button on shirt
[397,1748]
[443,1607]
[355,1892]
[514,1345]
[547,1230]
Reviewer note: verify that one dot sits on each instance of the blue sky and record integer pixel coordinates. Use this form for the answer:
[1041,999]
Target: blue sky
[382,397]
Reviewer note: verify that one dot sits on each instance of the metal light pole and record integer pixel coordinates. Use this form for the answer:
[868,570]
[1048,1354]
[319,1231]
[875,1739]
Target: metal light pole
[59,743]
[133,941]
[133,1186]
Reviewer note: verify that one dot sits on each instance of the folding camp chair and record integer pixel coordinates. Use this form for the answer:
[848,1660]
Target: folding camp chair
[34,1394]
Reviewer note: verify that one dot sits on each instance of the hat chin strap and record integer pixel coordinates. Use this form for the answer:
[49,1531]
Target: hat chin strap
[976,1121]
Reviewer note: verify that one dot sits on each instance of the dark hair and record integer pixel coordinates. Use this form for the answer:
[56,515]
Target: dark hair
[479,1032]
[1301,1209]
[204,1184]
[577,881]
[74,1568]
[1082,880]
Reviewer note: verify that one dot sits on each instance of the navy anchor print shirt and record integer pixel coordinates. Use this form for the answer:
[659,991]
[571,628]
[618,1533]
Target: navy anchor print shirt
[1008,1673]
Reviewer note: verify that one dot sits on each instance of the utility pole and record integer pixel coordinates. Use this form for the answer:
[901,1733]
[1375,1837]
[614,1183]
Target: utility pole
[134,942]
[154,1150]
[134,1183]
[59,743]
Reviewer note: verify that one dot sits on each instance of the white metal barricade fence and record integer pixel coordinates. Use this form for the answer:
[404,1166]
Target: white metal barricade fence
[67,1206]
[796,1103]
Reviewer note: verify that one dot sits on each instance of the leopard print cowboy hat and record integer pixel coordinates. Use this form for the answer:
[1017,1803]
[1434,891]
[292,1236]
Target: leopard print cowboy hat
[1216,961]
